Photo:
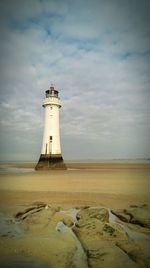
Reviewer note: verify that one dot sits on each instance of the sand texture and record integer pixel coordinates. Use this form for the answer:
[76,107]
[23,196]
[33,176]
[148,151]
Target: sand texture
[92,215]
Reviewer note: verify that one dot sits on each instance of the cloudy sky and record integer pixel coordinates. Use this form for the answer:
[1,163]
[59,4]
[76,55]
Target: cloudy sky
[97,54]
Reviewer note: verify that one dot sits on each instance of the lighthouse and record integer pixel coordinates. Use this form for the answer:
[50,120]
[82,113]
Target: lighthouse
[51,157]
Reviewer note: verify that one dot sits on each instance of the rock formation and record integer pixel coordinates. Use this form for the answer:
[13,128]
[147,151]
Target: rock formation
[76,238]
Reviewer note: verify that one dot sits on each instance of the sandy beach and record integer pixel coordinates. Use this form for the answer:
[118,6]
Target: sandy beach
[115,186]
[83,184]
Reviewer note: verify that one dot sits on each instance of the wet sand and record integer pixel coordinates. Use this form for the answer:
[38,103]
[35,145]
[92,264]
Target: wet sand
[83,184]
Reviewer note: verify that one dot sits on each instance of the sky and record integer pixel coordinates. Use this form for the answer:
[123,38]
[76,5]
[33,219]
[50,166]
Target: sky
[97,54]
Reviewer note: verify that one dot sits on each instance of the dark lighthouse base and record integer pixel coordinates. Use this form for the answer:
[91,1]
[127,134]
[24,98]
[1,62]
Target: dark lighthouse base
[49,162]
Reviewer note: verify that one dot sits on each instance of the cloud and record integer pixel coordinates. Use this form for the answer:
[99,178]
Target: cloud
[97,54]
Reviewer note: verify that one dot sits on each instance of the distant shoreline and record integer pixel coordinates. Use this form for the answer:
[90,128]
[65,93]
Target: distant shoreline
[102,164]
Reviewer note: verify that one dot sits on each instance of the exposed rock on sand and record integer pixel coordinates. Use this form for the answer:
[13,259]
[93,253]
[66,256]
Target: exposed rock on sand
[31,210]
[74,238]
[93,223]
[49,226]
[134,252]
[66,219]
[135,214]
[107,254]
[87,213]
[107,244]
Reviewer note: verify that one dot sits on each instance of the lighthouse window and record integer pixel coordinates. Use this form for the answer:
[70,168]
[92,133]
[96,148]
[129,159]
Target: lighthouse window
[51,107]
[46,149]
[51,138]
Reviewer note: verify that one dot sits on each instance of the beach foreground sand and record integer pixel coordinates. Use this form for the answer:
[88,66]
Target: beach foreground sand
[112,185]
[58,206]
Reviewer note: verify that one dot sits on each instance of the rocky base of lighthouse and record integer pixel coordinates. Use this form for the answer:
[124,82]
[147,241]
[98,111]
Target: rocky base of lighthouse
[48,162]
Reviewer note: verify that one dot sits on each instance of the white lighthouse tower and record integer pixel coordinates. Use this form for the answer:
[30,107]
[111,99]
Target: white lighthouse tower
[51,157]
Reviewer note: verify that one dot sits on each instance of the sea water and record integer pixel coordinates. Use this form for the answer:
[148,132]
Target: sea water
[5,169]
